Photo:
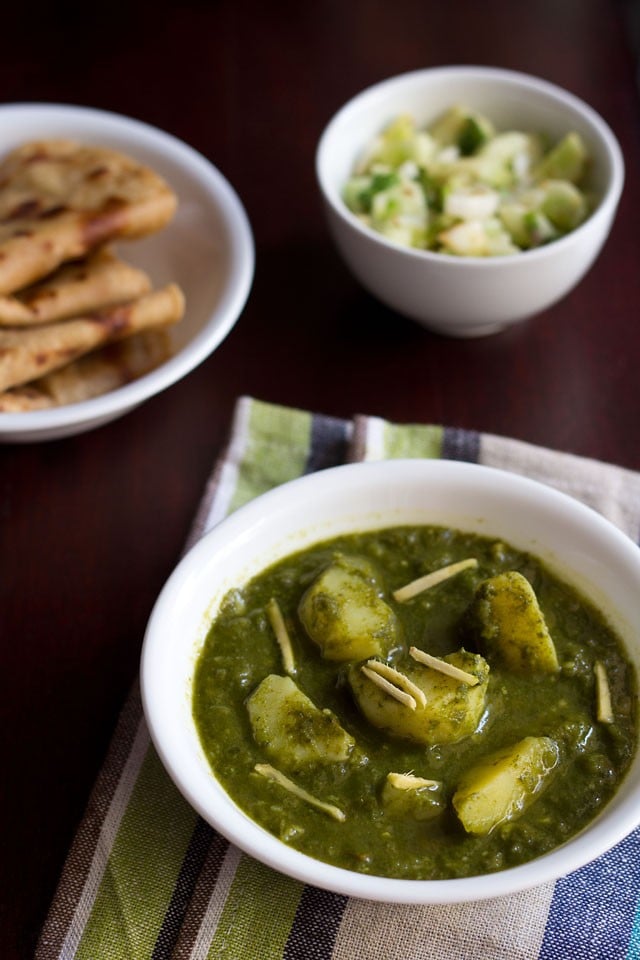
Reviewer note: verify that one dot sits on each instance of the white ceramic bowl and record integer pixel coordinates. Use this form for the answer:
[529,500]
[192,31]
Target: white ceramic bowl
[574,540]
[470,296]
[207,249]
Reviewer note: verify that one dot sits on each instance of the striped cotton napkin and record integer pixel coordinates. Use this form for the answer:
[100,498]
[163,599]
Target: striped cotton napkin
[146,879]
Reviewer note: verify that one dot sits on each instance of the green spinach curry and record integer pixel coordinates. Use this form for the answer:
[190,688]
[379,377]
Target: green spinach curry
[417,702]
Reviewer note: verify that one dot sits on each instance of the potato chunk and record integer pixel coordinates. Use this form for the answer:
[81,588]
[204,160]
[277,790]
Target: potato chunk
[503,785]
[290,727]
[451,711]
[343,612]
[506,616]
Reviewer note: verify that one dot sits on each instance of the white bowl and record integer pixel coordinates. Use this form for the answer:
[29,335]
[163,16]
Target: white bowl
[574,540]
[207,249]
[470,296]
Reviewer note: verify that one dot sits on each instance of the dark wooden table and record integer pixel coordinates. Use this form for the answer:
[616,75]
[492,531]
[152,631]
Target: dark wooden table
[91,526]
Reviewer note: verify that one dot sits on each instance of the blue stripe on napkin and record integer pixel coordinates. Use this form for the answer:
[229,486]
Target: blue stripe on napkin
[596,906]
[634,945]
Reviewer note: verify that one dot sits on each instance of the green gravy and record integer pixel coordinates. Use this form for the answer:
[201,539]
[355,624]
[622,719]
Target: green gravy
[241,650]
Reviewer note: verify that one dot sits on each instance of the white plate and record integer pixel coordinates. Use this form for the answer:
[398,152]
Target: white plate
[207,249]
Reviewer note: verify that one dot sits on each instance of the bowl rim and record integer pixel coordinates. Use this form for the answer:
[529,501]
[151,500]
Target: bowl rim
[234,293]
[591,842]
[606,205]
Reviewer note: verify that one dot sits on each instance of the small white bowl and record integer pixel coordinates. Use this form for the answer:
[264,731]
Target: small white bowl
[576,542]
[467,296]
[207,249]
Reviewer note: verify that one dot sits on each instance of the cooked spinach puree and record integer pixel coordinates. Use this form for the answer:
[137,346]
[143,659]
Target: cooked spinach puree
[512,761]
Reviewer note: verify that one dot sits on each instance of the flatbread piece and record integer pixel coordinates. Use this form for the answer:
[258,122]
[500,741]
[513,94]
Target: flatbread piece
[86,285]
[60,199]
[95,374]
[31,353]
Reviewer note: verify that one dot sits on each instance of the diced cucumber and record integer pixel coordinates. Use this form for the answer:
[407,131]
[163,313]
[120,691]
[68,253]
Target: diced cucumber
[447,128]
[462,128]
[508,158]
[476,131]
[396,144]
[527,228]
[564,204]
[566,161]
[356,194]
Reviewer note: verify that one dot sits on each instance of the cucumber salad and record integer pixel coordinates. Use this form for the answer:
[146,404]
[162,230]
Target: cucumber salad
[460,187]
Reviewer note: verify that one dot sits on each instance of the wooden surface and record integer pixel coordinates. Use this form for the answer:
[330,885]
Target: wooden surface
[91,526]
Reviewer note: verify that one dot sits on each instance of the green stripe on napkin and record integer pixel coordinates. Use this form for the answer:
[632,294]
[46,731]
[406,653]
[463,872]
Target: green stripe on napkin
[257,915]
[276,450]
[411,441]
[142,869]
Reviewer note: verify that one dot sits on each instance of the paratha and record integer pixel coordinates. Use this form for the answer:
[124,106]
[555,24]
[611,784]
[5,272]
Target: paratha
[31,353]
[86,285]
[95,374]
[60,199]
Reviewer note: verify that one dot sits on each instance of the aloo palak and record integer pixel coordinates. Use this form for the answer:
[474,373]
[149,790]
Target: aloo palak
[415,702]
